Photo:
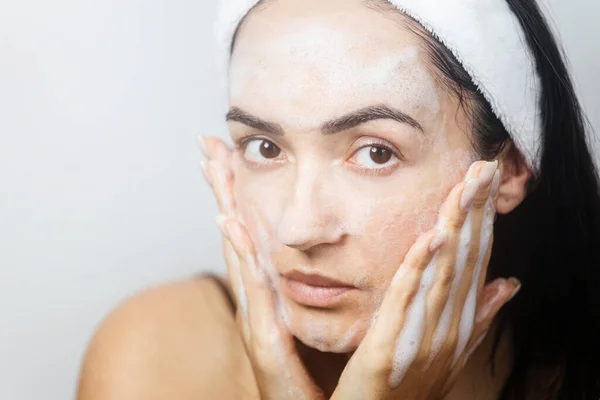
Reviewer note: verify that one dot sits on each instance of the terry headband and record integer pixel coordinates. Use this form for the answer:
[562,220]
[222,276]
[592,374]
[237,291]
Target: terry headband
[484,36]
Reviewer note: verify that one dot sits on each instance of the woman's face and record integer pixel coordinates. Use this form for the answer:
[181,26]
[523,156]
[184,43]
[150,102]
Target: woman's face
[347,146]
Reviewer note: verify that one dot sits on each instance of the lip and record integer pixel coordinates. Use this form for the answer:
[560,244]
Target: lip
[315,290]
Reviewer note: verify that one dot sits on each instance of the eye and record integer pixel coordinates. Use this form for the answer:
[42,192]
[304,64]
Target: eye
[374,157]
[261,149]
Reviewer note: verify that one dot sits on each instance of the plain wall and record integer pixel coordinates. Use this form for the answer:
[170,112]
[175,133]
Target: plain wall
[101,193]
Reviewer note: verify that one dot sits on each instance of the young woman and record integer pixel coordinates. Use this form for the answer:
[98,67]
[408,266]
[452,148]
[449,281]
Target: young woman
[380,149]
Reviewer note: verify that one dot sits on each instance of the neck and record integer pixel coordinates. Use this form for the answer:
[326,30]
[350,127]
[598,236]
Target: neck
[325,368]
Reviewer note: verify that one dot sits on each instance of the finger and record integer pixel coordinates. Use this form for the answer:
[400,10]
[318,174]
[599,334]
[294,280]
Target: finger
[482,274]
[215,149]
[454,209]
[403,288]
[455,218]
[462,361]
[222,179]
[260,307]
[494,296]
[273,353]
[472,256]
[239,276]
[264,234]
[206,173]
[398,330]
[485,179]
[234,272]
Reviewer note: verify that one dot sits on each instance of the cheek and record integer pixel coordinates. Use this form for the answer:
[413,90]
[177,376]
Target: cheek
[392,230]
[393,226]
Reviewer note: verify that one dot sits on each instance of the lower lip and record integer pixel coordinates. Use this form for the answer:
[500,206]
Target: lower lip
[315,296]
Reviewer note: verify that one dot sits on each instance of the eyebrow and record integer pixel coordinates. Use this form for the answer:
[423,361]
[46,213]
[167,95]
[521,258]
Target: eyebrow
[367,114]
[343,123]
[241,116]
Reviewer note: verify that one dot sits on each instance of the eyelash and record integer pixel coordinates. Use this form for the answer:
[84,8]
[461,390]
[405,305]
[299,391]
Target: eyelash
[241,144]
[380,143]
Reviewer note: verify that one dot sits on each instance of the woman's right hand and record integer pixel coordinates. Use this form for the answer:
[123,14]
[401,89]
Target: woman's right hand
[277,366]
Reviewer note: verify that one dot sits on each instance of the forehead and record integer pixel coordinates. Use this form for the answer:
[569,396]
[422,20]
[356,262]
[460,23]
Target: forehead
[320,60]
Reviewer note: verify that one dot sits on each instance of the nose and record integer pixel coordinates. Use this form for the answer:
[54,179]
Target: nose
[311,214]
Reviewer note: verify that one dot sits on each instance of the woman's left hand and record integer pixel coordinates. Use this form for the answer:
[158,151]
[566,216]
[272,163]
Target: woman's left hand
[436,310]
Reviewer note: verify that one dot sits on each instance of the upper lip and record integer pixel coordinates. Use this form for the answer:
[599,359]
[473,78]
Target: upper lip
[315,279]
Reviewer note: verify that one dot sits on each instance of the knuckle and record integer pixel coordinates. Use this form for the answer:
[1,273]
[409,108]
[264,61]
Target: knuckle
[451,345]
[378,357]
[480,201]
[420,363]
[446,278]
[473,257]
[262,352]
[454,224]
[378,366]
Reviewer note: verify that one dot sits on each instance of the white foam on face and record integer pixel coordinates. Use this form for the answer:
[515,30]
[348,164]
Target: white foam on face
[411,335]
[302,81]
[344,345]
[316,333]
[359,214]
[311,80]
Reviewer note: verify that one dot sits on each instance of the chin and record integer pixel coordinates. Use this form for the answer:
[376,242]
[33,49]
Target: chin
[326,330]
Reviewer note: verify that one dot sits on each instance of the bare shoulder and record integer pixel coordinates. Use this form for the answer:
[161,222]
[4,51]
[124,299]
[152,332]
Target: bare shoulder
[178,341]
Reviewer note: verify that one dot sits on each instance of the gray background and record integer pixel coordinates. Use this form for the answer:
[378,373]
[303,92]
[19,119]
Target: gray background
[100,188]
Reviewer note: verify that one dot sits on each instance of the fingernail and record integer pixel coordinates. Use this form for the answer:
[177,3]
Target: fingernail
[517,284]
[495,184]
[202,145]
[221,221]
[204,168]
[487,174]
[438,241]
[468,194]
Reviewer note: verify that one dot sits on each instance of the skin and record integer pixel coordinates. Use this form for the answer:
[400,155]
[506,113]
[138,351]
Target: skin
[407,320]
[319,207]
[326,206]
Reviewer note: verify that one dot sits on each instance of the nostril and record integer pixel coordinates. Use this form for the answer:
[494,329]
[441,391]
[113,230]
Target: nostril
[311,237]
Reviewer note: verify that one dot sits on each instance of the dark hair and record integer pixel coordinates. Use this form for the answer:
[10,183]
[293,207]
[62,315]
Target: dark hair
[551,242]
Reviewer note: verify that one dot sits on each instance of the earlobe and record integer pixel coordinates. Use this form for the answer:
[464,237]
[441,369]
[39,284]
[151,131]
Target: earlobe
[513,186]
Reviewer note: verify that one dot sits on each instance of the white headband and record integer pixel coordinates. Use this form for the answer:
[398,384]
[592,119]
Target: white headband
[484,36]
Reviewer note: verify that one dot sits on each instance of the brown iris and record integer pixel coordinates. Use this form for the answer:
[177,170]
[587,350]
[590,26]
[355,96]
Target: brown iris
[269,150]
[380,155]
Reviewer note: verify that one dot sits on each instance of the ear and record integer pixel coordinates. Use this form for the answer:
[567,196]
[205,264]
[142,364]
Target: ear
[513,184]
